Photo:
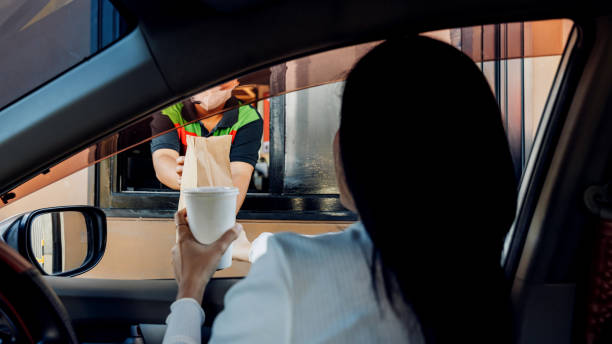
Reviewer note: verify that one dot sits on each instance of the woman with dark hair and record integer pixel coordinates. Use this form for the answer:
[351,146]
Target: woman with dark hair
[435,193]
[451,202]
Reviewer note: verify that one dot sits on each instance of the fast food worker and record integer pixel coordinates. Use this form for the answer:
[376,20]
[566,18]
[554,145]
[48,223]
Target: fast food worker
[243,123]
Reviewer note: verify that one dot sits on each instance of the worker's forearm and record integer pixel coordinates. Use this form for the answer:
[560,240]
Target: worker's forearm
[240,199]
[165,169]
[241,177]
[242,190]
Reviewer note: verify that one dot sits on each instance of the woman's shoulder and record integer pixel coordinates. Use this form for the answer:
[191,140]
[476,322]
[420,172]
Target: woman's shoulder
[301,249]
[354,232]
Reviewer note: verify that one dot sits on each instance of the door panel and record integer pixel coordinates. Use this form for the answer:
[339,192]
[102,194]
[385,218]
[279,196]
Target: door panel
[104,309]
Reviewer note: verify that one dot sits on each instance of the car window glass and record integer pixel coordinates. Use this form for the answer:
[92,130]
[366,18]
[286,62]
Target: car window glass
[520,61]
[293,185]
[310,117]
[42,39]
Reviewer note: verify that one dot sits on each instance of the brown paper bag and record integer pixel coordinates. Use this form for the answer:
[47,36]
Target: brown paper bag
[206,163]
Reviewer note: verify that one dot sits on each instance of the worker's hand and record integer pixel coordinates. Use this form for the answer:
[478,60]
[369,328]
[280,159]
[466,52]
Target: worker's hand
[180,161]
[241,248]
[230,85]
[194,263]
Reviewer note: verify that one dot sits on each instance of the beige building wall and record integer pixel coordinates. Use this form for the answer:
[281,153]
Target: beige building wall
[539,76]
[139,248]
[71,190]
[74,240]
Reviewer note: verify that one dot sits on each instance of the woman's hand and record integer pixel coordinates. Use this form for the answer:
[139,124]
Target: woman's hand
[194,263]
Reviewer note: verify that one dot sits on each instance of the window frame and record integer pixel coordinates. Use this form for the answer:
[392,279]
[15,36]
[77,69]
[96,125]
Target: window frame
[537,166]
[273,205]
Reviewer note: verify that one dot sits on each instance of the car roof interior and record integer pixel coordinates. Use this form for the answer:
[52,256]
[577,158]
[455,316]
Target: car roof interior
[161,59]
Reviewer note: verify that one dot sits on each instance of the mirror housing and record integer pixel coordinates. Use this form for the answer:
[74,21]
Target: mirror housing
[21,231]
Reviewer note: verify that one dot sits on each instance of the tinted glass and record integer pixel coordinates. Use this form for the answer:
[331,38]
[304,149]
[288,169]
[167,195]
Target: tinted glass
[299,102]
[42,39]
[520,61]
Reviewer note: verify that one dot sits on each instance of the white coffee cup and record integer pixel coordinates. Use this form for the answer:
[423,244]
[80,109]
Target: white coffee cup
[211,211]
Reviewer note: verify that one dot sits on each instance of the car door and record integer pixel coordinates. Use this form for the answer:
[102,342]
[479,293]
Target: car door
[553,254]
[159,61]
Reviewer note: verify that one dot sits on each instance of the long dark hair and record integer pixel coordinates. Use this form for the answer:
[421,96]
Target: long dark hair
[428,164]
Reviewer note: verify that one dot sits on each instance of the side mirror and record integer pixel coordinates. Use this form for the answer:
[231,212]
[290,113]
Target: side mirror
[60,241]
